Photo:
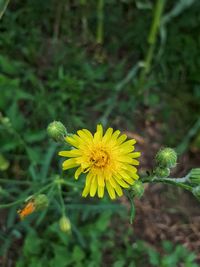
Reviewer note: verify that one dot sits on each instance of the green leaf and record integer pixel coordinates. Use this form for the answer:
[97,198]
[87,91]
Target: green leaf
[32,245]
[78,254]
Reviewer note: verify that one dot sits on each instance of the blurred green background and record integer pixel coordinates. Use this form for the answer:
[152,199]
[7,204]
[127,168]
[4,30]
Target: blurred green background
[82,62]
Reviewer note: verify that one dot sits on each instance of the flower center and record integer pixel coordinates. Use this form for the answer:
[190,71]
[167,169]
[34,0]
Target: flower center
[99,158]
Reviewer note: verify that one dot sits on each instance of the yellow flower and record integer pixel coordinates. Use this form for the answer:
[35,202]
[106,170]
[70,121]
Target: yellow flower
[107,159]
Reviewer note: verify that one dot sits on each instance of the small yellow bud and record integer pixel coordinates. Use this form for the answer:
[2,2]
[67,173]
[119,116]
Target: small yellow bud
[57,131]
[4,163]
[5,121]
[65,225]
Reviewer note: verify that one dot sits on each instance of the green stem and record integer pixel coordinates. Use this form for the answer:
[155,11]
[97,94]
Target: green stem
[45,188]
[71,184]
[180,182]
[4,8]
[2,180]
[152,37]
[84,19]
[132,211]
[100,19]
[62,203]
[3,206]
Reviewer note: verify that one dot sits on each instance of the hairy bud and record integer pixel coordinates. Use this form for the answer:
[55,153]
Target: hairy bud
[56,130]
[137,189]
[166,158]
[162,172]
[41,201]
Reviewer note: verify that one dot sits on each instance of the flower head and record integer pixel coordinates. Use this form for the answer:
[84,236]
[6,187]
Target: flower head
[108,159]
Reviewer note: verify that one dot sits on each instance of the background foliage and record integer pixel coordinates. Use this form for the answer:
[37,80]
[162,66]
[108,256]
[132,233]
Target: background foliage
[80,62]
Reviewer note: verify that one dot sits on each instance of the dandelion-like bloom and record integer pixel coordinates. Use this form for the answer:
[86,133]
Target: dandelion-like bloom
[107,159]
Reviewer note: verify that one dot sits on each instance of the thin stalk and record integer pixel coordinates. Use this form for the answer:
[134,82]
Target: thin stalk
[100,22]
[62,203]
[132,211]
[2,180]
[3,206]
[84,20]
[180,182]
[57,22]
[4,8]
[152,37]
[71,184]
[45,188]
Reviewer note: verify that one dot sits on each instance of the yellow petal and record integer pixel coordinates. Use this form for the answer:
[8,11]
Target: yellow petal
[136,155]
[129,180]
[86,191]
[88,179]
[107,135]
[128,143]
[84,136]
[115,135]
[126,177]
[87,185]
[72,141]
[129,168]
[68,164]
[121,182]
[125,149]
[118,190]
[112,182]
[135,162]
[78,172]
[125,159]
[88,133]
[93,187]
[100,179]
[99,133]
[100,191]
[71,153]
[121,139]
[135,176]
[111,191]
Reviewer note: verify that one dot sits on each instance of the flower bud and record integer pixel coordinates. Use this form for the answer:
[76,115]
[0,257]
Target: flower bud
[65,225]
[166,158]
[137,189]
[41,201]
[4,163]
[194,176]
[32,204]
[196,192]
[56,130]
[162,172]
[5,121]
